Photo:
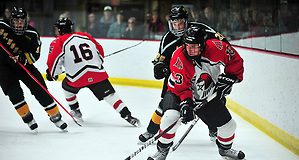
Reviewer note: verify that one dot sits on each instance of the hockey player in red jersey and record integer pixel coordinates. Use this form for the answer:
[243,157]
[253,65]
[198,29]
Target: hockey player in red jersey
[82,57]
[170,41]
[195,75]
[23,41]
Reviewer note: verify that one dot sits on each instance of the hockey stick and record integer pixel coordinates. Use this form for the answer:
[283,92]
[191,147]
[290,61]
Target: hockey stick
[124,49]
[151,141]
[194,121]
[185,134]
[45,89]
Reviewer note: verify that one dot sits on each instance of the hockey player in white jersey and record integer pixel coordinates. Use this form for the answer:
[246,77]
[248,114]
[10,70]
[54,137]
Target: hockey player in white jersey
[81,57]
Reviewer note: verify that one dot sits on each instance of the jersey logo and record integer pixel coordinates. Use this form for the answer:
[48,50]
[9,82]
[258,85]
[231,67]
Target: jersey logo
[178,64]
[218,44]
[204,85]
[90,80]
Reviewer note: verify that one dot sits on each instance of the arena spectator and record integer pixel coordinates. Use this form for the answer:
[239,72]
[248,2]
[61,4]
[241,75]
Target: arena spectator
[93,27]
[117,29]
[106,20]
[209,17]
[154,26]
[134,31]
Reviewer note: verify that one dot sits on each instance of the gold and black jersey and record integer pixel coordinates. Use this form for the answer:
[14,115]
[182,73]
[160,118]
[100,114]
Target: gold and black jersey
[27,44]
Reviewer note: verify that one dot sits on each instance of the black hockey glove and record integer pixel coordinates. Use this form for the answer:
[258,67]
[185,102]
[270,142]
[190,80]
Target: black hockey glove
[49,77]
[161,70]
[20,58]
[187,112]
[225,84]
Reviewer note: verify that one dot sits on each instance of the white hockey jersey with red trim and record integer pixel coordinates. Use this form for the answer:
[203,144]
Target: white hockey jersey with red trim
[80,56]
[196,79]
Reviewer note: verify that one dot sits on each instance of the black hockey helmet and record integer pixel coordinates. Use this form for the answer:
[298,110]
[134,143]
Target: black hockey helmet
[18,20]
[178,13]
[64,25]
[195,35]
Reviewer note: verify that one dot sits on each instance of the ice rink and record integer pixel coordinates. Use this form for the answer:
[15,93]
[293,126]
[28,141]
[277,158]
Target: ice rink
[105,136]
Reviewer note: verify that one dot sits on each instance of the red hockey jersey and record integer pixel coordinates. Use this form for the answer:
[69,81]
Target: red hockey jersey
[196,79]
[80,56]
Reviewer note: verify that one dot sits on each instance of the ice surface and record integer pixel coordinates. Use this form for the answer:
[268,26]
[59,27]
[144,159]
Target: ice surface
[104,135]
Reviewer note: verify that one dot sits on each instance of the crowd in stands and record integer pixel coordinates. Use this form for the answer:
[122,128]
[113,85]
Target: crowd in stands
[248,22]
[117,26]
[234,23]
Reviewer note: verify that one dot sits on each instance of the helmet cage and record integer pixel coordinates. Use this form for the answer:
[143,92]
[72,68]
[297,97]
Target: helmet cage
[177,13]
[18,16]
[177,32]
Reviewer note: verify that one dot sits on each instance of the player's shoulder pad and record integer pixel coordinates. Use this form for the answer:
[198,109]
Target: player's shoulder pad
[202,25]
[32,30]
[4,23]
[168,38]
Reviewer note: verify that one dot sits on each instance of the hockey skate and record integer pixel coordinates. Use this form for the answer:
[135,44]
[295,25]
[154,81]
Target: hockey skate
[32,125]
[58,122]
[132,120]
[77,115]
[145,136]
[161,154]
[213,135]
[231,154]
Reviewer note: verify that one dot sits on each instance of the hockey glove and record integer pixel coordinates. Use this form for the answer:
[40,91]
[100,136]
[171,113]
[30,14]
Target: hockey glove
[20,58]
[187,112]
[49,77]
[161,70]
[225,84]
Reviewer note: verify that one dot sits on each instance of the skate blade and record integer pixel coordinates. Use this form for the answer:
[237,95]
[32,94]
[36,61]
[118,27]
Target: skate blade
[228,158]
[137,124]
[79,119]
[142,143]
[64,130]
[35,131]
[213,139]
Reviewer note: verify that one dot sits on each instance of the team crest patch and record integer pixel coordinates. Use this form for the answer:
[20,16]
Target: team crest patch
[90,80]
[178,64]
[218,44]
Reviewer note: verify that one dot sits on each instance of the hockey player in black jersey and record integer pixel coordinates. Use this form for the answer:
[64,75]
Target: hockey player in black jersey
[23,42]
[170,41]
